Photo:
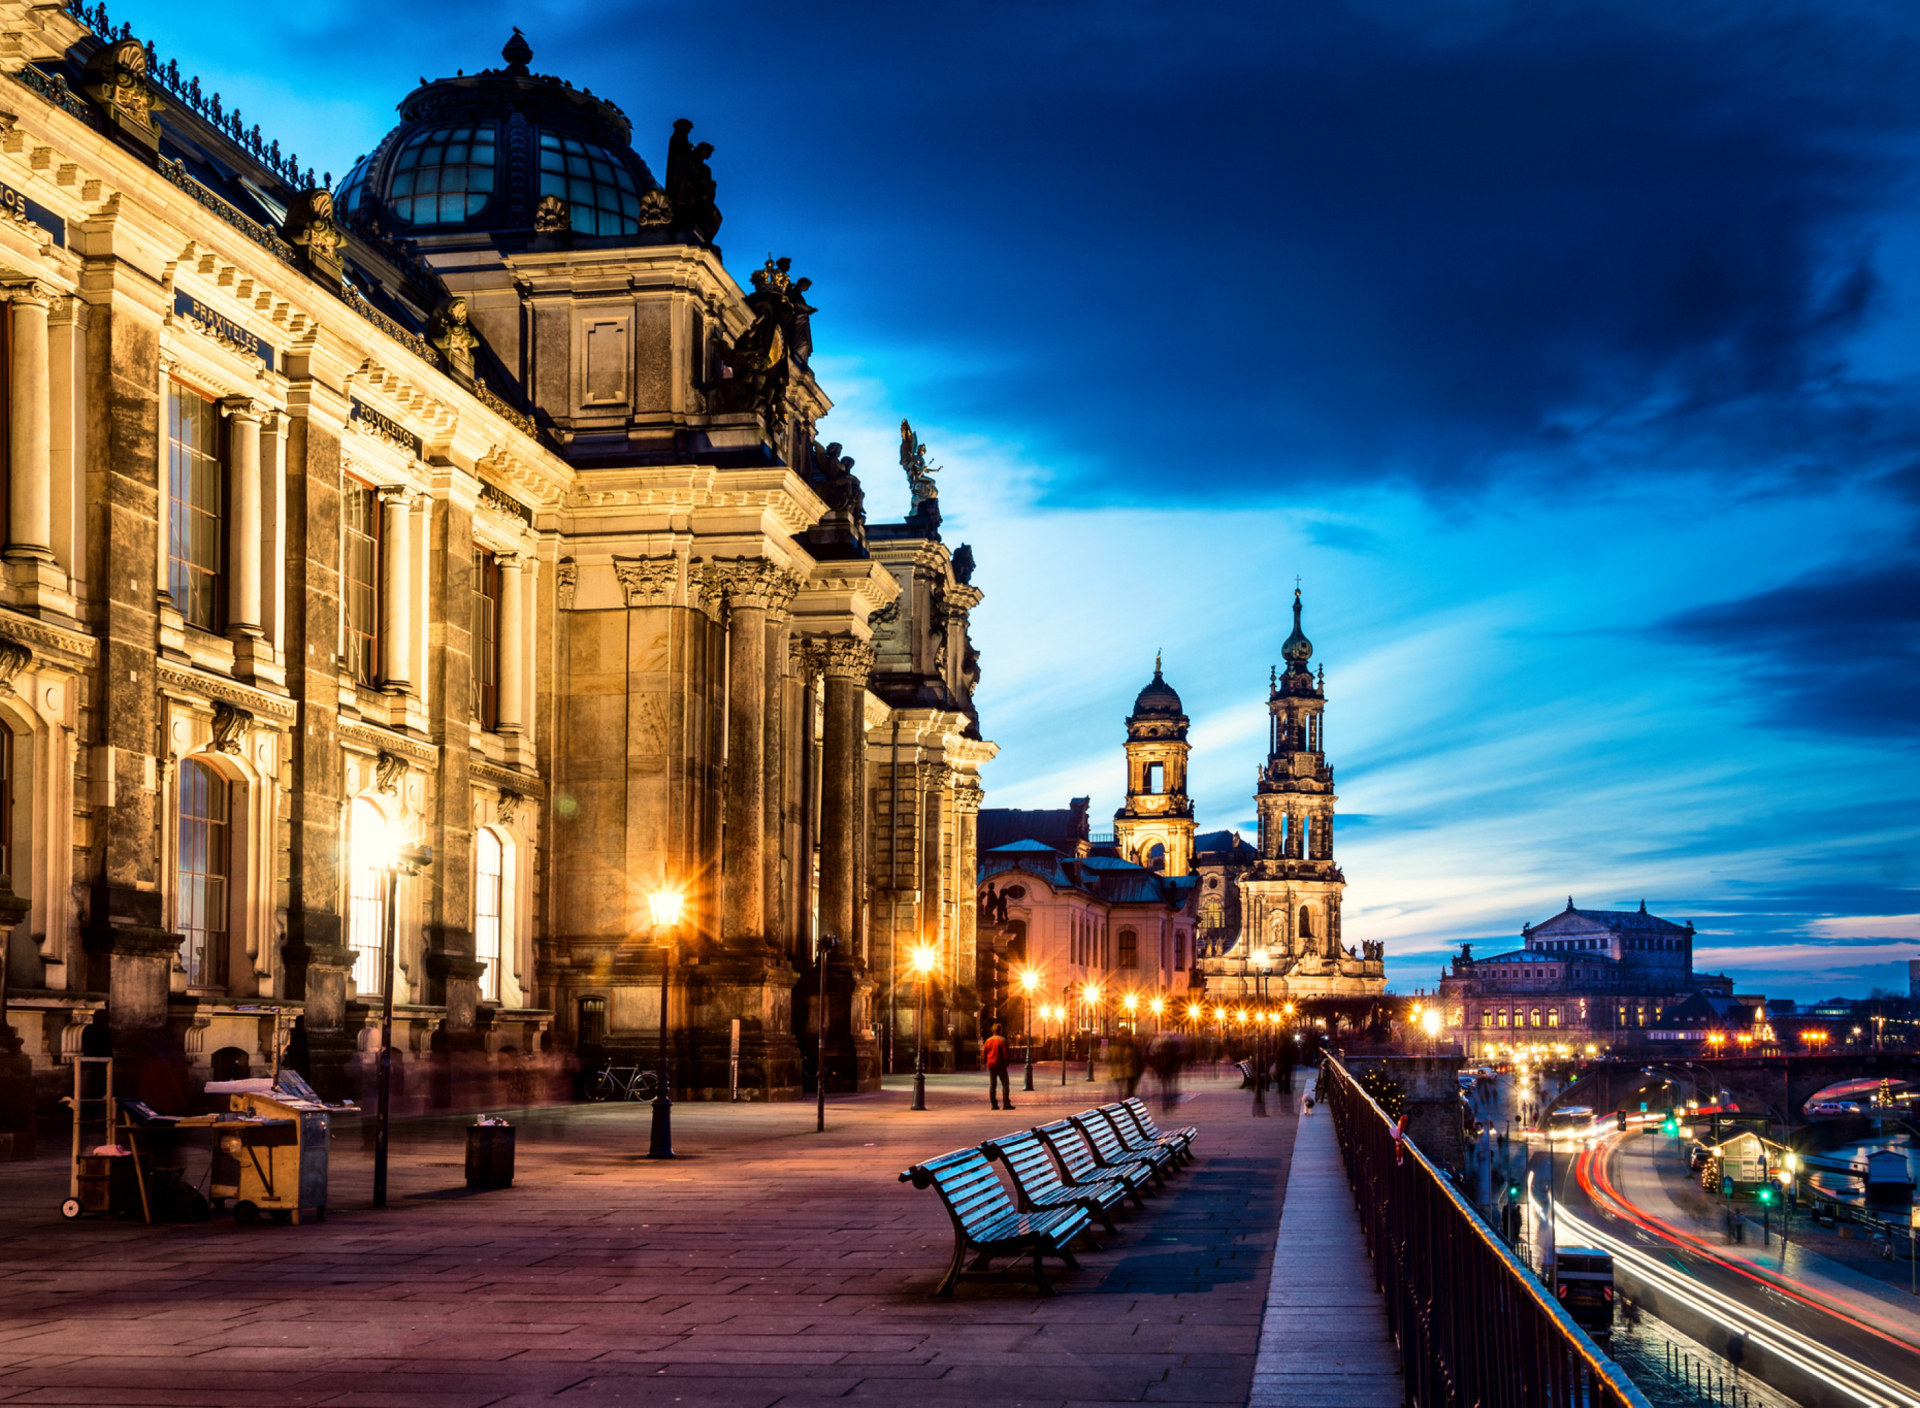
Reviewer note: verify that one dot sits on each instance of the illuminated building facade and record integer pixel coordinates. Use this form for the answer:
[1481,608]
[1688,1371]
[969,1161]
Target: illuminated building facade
[469,501]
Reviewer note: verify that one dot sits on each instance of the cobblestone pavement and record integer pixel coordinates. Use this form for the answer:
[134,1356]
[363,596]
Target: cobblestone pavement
[769,1265]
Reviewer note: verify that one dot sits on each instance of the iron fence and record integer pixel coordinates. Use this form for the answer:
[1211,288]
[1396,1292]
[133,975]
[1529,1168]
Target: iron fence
[1475,1328]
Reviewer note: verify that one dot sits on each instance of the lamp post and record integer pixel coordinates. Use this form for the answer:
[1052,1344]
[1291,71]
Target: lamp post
[1064,1008]
[828,943]
[403,860]
[923,961]
[1432,1022]
[1090,994]
[1262,967]
[1029,982]
[665,906]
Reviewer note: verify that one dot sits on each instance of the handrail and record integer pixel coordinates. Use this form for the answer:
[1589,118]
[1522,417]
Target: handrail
[1476,1328]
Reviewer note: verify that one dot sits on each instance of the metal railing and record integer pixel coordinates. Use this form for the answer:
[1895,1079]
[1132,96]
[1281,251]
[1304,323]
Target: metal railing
[1475,1328]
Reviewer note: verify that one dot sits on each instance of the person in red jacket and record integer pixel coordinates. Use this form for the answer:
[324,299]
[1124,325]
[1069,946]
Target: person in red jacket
[994,1051]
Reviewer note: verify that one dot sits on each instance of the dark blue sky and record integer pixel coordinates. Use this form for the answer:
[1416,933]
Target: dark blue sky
[1568,352]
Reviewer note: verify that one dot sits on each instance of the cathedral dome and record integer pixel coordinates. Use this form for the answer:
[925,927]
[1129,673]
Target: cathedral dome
[1298,649]
[1158,697]
[478,153]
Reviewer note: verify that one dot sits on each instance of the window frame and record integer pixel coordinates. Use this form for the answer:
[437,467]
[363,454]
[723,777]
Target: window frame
[444,137]
[1127,950]
[484,642]
[364,662]
[366,901]
[624,189]
[183,513]
[492,954]
[204,949]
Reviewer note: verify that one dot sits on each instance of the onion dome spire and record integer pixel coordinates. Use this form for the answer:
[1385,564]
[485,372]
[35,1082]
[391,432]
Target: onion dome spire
[1298,649]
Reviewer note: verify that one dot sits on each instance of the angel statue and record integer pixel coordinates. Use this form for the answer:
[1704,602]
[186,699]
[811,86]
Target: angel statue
[913,459]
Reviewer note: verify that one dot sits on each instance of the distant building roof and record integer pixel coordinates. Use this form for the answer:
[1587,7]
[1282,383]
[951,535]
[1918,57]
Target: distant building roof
[1613,921]
[1064,828]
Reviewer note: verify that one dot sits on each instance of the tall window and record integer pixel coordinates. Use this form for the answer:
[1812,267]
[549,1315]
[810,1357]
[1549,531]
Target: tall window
[367,895]
[1179,949]
[489,887]
[6,418]
[599,190]
[360,579]
[6,793]
[443,176]
[486,638]
[205,837]
[196,494]
[1306,922]
[1213,914]
[1129,949]
[1156,776]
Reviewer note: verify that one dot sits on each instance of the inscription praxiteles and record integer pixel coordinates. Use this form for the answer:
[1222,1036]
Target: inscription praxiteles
[209,322]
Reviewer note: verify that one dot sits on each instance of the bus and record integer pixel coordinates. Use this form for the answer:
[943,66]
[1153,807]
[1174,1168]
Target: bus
[1583,1284]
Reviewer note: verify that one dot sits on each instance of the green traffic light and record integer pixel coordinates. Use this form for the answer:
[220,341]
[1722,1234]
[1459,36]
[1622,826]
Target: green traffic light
[1766,1195]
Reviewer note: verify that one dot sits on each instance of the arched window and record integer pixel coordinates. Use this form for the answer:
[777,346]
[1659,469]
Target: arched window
[1129,949]
[489,886]
[1534,1021]
[1213,914]
[1306,922]
[600,193]
[1156,856]
[201,910]
[367,894]
[444,176]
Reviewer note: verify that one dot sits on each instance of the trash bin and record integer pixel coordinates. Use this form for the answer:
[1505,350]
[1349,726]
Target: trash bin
[490,1154]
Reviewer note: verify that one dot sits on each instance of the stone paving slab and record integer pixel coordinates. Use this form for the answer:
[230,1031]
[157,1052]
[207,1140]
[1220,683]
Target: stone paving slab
[1324,1340]
[770,1266]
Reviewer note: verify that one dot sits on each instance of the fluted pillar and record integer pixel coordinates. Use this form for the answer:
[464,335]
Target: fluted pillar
[774,769]
[243,518]
[510,707]
[754,589]
[847,663]
[396,590]
[30,482]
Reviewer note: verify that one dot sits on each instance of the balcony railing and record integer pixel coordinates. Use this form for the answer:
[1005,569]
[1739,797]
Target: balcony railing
[1476,1329]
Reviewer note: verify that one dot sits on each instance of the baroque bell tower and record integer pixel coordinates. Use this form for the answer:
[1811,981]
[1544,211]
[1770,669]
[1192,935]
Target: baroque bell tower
[1291,896]
[1155,827]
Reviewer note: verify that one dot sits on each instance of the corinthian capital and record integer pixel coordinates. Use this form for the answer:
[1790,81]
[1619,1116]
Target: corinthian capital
[648,581]
[804,656]
[844,658]
[753,583]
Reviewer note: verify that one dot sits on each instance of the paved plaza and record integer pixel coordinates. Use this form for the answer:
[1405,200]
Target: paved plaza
[768,1265]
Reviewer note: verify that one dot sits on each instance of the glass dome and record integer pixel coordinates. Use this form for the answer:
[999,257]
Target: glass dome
[478,152]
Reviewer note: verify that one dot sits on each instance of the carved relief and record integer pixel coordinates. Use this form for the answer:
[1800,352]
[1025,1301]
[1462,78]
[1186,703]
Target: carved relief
[552,217]
[648,581]
[755,584]
[844,658]
[230,725]
[566,576]
[389,769]
[14,658]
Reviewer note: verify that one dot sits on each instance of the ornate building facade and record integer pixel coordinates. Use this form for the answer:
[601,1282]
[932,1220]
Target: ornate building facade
[1265,917]
[1599,978]
[470,502]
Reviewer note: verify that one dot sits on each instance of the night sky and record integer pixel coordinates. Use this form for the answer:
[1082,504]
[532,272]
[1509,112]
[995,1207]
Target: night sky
[1566,353]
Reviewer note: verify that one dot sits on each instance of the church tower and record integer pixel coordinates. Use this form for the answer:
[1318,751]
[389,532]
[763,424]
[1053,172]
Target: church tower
[1291,898]
[1155,827]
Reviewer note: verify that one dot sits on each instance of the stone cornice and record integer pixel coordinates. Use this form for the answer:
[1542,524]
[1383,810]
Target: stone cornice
[61,645]
[482,770]
[375,739]
[263,706]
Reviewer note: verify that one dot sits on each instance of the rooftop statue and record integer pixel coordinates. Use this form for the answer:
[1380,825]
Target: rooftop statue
[913,459]
[690,185]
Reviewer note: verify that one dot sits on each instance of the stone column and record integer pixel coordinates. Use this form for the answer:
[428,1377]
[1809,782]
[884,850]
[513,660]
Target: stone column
[243,519]
[847,664]
[780,922]
[752,588]
[512,627]
[396,590]
[30,487]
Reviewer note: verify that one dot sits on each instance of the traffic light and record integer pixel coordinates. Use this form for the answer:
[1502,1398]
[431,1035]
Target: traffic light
[1766,1195]
[1620,1120]
[1670,1126]
[1513,1192]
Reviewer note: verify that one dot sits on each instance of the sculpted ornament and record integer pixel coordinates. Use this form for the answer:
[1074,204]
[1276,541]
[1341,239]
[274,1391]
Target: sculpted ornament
[116,78]
[844,658]
[755,584]
[230,725]
[566,576]
[552,217]
[310,227]
[389,769]
[448,331]
[656,211]
[14,657]
[920,471]
[648,581]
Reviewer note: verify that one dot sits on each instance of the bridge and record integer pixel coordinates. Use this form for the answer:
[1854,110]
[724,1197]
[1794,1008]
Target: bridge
[1781,1085]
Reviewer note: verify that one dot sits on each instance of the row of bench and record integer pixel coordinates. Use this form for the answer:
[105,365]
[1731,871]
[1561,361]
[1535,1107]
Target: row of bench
[1065,1175]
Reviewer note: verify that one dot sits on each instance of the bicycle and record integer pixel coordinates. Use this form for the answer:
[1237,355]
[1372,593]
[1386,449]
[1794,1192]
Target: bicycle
[613,1082]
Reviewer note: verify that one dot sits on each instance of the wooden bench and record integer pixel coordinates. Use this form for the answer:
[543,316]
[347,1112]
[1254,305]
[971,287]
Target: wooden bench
[986,1220]
[1079,1164]
[1179,1140]
[1112,1150]
[1038,1181]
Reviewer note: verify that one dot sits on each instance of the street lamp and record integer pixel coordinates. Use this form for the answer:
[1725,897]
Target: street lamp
[397,860]
[1090,994]
[828,943]
[1262,967]
[924,957]
[1132,1003]
[1432,1022]
[665,908]
[1029,982]
[1159,1009]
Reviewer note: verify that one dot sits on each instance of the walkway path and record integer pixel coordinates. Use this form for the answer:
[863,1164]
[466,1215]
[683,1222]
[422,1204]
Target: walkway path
[1324,1340]
[768,1266]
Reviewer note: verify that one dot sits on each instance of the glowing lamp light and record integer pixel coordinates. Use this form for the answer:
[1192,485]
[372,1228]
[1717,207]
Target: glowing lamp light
[925,959]
[665,906]
[1131,1002]
[1157,1006]
[1431,1021]
[1288,1009]
[1090,994]
[1029,980]
[1195,1012]
[1261,958]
